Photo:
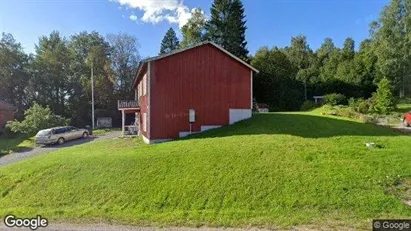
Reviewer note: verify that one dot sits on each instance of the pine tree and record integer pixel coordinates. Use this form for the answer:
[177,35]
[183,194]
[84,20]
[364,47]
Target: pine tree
[227,27]
[170,42]
[348,49]
[385,101]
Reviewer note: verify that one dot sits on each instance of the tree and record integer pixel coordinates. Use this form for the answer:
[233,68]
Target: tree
[276,84]
[79,103]
[348,51]
[345,68]
[326,49]
[392,43]
[49,84]
[170,42]
[227,27]
[104,79]
[193,31]
[365,67]
[37,118]
[301,56]
[124,59]
[385,100]
[14,72]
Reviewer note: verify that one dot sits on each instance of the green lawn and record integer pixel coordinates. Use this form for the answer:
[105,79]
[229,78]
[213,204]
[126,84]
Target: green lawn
[18,143]
[275,170]
[403,107]
[102,131]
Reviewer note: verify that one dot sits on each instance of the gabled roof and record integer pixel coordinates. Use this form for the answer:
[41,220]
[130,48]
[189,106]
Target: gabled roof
[188,48]
[6,106]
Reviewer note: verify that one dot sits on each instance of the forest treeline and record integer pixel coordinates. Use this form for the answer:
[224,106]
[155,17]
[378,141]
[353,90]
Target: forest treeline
[58,73]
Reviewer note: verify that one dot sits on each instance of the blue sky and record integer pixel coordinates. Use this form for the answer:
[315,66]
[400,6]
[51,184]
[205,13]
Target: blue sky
[270,22]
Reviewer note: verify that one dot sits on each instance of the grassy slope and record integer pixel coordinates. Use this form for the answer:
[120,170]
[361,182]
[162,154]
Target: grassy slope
[278,169]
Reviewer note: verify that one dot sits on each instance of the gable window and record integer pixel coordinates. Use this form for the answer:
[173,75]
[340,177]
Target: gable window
[144,84]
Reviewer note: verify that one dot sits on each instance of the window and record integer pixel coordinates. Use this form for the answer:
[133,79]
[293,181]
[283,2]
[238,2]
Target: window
[144,84]
[145,122]
[139,90]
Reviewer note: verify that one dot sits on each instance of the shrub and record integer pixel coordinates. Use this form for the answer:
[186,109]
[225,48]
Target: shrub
[335,99]
[361,105]
[385,100]
[37,118]
[307,105]
[7,131]
[353,103]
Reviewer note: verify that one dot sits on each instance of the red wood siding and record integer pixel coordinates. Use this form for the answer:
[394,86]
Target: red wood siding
[5,115]
[204,79]
[143,102]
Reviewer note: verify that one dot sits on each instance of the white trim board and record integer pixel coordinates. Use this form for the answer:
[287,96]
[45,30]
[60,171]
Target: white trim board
[236,115]
[209,127]
[148,141]
[184,134]
[148,82]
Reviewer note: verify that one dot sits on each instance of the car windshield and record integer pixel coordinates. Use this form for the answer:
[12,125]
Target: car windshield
[43,133]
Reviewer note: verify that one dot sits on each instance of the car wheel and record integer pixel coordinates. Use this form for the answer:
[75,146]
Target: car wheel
[405,122]
[61,140]
[85,135]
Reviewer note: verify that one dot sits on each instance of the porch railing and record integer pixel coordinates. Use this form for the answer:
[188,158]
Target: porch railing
[121,104]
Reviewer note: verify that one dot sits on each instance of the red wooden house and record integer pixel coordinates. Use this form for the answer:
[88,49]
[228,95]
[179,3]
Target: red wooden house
[192,90]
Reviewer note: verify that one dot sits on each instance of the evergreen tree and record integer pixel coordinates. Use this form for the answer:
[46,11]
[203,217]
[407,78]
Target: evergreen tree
[348,49]
[170,42]
[227,27]
[385,101]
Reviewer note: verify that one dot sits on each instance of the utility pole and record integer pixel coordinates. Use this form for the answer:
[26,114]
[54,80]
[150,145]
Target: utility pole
[305,88]
[92,95]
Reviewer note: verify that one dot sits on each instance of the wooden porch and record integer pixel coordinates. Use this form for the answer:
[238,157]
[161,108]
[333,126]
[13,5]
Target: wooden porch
[129,107]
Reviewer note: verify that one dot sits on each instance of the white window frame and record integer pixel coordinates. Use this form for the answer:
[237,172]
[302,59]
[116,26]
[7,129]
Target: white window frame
[145,122]
[145,84]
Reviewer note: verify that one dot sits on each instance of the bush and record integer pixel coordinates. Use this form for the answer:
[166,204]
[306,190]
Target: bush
[364,106]
[37,118]
[353,103]
[7,131]
[385,100]
[307,105]
[335,99]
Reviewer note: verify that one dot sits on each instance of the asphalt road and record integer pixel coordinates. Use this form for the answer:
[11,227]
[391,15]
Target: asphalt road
[17,156]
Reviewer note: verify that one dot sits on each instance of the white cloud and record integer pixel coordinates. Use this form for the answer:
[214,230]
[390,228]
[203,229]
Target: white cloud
[155,11]
[133,17]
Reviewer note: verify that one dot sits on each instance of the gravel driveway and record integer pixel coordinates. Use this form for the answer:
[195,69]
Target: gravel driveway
[16,156]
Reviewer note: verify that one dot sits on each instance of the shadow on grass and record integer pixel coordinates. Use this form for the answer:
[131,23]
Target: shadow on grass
[302,125]
[70,143]
[14,144]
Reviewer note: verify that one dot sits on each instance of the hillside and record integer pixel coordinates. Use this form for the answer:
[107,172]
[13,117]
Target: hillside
[275,170]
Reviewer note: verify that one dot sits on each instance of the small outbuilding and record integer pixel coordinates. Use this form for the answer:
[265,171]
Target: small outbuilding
[191,90]
[6,113]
